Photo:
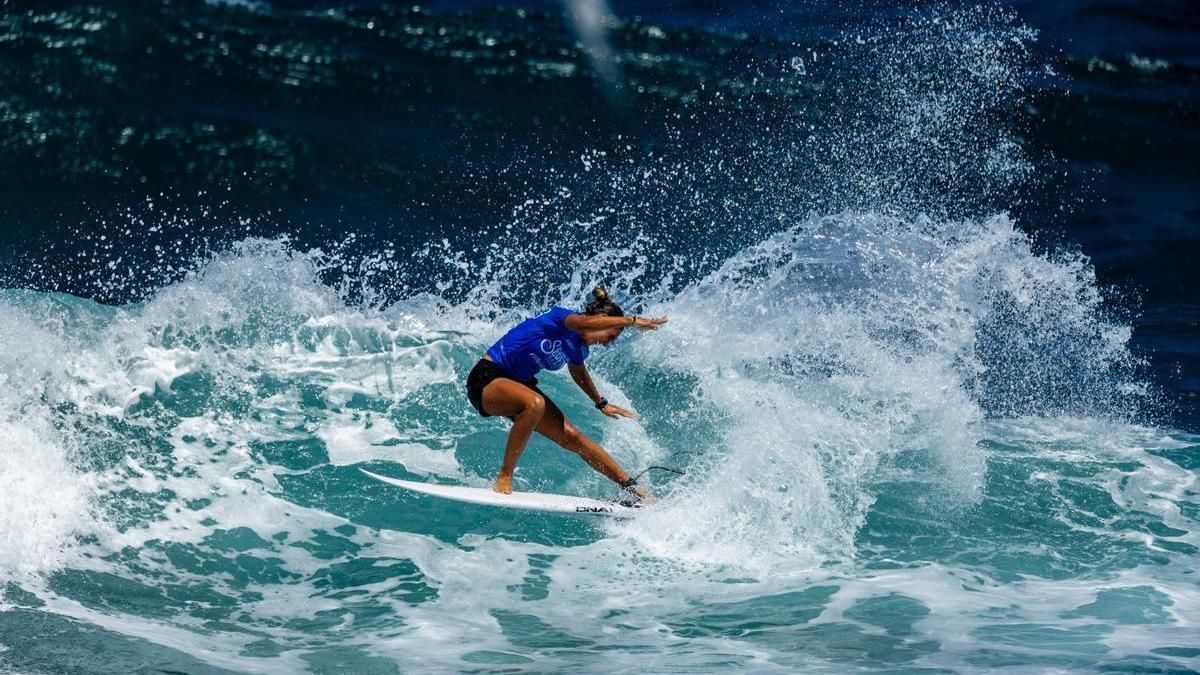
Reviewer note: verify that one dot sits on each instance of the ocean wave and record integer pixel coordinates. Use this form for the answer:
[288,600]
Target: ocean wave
[894,408]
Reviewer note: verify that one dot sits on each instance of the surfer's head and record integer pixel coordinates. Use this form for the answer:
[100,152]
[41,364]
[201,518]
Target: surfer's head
[602,305]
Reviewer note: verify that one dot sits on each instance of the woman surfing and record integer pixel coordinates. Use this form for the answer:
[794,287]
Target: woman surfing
[502,383]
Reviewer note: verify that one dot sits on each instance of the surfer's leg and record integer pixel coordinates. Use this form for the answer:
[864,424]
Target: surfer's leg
[509,398]
[555,426]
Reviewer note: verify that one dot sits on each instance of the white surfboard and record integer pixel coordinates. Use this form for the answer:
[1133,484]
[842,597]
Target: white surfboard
[528,501]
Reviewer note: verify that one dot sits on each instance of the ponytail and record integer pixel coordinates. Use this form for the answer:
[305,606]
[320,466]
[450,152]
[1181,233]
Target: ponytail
[602,305]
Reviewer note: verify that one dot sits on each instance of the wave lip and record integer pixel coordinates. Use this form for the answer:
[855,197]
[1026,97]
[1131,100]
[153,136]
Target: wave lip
[845,345]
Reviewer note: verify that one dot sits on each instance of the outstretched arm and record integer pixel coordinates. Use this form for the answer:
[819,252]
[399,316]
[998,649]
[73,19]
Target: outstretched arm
[582,322]
[583,378]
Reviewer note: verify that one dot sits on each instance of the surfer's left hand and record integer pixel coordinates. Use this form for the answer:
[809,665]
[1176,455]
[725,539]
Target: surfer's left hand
[615,411]
[649,324]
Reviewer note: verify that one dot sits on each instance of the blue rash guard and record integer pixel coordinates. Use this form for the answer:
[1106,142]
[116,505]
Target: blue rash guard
[541,342]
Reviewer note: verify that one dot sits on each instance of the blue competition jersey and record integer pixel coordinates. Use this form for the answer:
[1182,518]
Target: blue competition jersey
[537,343]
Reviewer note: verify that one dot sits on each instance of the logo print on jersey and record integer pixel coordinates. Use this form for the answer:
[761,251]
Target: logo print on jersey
[554,357]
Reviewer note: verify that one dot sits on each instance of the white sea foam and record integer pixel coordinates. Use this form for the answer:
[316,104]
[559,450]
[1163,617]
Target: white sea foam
[44,500]
[856,355]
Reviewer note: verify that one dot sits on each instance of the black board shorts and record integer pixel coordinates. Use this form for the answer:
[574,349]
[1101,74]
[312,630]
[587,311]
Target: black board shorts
[482,375]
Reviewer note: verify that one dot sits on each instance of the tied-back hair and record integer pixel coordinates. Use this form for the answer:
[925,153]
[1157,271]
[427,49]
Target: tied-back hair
[602,304]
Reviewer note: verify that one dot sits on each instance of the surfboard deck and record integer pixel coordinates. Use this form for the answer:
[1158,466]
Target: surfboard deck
[527,501]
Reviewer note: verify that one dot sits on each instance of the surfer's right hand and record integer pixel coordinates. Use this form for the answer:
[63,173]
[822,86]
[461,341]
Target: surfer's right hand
[643,494]
[503,485]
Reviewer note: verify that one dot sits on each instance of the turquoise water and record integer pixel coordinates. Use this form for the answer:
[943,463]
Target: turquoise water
[181,491]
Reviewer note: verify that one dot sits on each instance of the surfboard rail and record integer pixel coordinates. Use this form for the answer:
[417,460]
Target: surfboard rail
[526,501]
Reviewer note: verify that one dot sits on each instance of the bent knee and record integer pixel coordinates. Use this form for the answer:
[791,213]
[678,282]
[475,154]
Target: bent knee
[535,405]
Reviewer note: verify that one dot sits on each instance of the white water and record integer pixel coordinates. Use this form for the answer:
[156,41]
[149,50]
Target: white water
[795,383]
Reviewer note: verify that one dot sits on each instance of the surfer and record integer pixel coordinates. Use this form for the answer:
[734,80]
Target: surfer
[503,383]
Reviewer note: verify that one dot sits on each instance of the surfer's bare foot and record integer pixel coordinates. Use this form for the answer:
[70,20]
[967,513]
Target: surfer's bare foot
[503,485]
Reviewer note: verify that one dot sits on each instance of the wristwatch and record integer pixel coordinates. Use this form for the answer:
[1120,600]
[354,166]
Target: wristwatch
[601,403]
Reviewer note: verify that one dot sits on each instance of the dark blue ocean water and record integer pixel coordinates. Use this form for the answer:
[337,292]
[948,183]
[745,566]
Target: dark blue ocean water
[932,371]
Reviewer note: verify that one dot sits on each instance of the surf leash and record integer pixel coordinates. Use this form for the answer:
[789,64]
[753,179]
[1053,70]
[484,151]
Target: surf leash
[660,468]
